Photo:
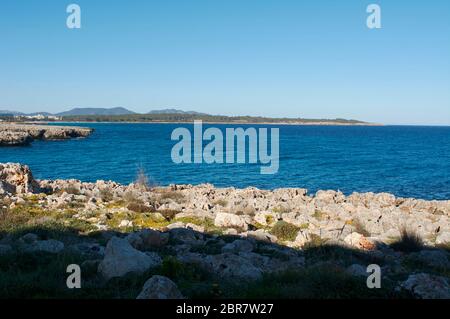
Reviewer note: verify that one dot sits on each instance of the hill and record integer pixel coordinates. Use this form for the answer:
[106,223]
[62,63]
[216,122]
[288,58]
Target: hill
[96,111]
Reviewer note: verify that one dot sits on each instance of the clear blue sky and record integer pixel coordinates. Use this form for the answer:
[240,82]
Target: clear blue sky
[290,58]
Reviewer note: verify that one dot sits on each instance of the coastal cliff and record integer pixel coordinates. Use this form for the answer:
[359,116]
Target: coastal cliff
[23,134]
[234,235]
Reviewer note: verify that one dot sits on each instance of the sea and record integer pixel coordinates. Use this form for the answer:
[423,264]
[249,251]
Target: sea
[407,161]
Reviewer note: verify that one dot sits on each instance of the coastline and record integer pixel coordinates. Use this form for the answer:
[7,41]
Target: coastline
[230,123]
[22,134]
[237,237]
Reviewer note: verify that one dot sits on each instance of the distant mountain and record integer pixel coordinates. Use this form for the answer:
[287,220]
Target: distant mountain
[97,111]
[175,111]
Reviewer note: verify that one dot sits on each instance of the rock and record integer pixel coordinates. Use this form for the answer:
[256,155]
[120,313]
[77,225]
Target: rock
[238,246]
[159,287]
[427,286]
[91,250]
[29,238]
[357,270]
[121,258]
[147,239]
[23,134]
[9,138]
[232,266]
[196,228]
[17,179]
[266,218]
[49,246]
[443,238]
[126,223]
[300,240]
[359,241]
[90,265]
[176,225]
[227,220]
[185,235]
[261,235]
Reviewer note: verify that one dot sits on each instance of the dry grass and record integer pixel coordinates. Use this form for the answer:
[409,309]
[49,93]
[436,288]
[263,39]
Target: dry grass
[409,241]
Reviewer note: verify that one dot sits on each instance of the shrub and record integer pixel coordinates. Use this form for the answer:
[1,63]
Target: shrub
[138,208]
[409,242]
[285,231]
[106,195]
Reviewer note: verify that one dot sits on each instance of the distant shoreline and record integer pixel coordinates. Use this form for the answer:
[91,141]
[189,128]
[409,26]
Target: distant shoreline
[216,122]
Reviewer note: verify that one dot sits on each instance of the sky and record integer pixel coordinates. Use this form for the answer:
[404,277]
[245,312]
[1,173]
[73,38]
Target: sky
[277,58]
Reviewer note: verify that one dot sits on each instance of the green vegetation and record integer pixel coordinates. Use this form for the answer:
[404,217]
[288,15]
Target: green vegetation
[181,118]
[319,215]
[284,231]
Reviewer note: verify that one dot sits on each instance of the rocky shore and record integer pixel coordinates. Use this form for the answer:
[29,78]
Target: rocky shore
[23,134]
[234,236]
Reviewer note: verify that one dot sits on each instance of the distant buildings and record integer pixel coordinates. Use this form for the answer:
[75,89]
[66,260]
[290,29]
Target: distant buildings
[4,117]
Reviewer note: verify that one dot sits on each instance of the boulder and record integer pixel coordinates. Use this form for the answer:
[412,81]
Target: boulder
[147,239]
[232,266]
[227,220]
[443,238]
[121,258]
[359,241]
[159,287]
[185,235]
[426,286]
[261,235]
[17,179]
[238,246]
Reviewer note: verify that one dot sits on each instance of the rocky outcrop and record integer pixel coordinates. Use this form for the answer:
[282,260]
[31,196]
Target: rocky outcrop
[160,287]
[17,179]
[11,138]
[24,134]
[234,235]
[425,286]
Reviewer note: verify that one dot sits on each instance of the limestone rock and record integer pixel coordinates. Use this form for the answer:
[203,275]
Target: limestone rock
[159,287]
[121,258]
[230,221]
[238,246]
[359,241]
[17,179]
[427,286]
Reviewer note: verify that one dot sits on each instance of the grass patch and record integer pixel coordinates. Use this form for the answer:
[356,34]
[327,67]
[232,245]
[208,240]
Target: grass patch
[359,228]
[319,215]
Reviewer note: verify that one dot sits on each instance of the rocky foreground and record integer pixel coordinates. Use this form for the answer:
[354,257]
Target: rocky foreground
[23,134]
[201,241]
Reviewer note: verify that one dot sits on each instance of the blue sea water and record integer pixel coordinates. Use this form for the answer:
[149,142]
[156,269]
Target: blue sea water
[408,161]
